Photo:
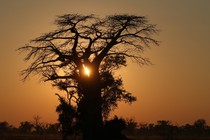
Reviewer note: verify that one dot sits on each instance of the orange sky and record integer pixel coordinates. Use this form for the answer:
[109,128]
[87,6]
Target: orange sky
[176,88]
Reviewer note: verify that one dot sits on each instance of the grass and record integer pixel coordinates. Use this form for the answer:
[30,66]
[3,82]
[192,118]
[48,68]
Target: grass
[30,137]
[56,137]
[160,138]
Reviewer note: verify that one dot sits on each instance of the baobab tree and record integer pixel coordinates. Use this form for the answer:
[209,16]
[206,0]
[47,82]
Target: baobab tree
[81,56]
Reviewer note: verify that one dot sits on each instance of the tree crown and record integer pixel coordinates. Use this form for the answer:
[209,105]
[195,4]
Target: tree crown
[100,45]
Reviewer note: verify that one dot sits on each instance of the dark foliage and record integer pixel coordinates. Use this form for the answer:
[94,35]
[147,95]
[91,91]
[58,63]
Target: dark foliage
[113,129]
[26,127]
[67,118]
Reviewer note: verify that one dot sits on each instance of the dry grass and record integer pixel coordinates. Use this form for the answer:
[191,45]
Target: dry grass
[160,138]
[53,137]
[29,137]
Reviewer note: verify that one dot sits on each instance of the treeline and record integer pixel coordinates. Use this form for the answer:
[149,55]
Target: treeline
[30,127]
[167,130]
[129,127]
[30,130]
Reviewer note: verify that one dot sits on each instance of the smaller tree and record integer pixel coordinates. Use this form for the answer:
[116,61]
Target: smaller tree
[26,127]
[53,128]
[4,127]
[113,129]
[165,129]
[38,126]
[131,126]
[199,127]
[67,117]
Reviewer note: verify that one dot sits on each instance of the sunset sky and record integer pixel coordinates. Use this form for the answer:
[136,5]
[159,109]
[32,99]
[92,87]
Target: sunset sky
[175,88]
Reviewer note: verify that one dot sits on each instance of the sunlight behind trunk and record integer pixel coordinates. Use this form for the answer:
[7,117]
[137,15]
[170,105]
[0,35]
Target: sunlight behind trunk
[87,71]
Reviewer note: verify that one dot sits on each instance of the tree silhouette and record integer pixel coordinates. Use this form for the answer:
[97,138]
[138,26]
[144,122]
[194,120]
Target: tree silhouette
[200,127]
[67,117]
[113,129]
[5,127]
[81,56]
[165,129]
[38,125]
[26,127]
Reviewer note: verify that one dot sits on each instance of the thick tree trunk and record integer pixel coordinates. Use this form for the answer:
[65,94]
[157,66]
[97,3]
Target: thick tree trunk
[92,119]
[90,109]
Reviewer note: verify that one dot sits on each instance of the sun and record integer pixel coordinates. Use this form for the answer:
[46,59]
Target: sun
[87,71]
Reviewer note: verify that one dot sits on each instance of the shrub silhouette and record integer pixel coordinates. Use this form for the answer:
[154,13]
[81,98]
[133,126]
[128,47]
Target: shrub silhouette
[113,129]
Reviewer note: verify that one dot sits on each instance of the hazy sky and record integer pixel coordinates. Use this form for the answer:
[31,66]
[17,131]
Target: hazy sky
[175,88]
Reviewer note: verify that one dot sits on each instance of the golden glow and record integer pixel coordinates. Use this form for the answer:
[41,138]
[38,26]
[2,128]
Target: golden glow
[87,71]
[174,88]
